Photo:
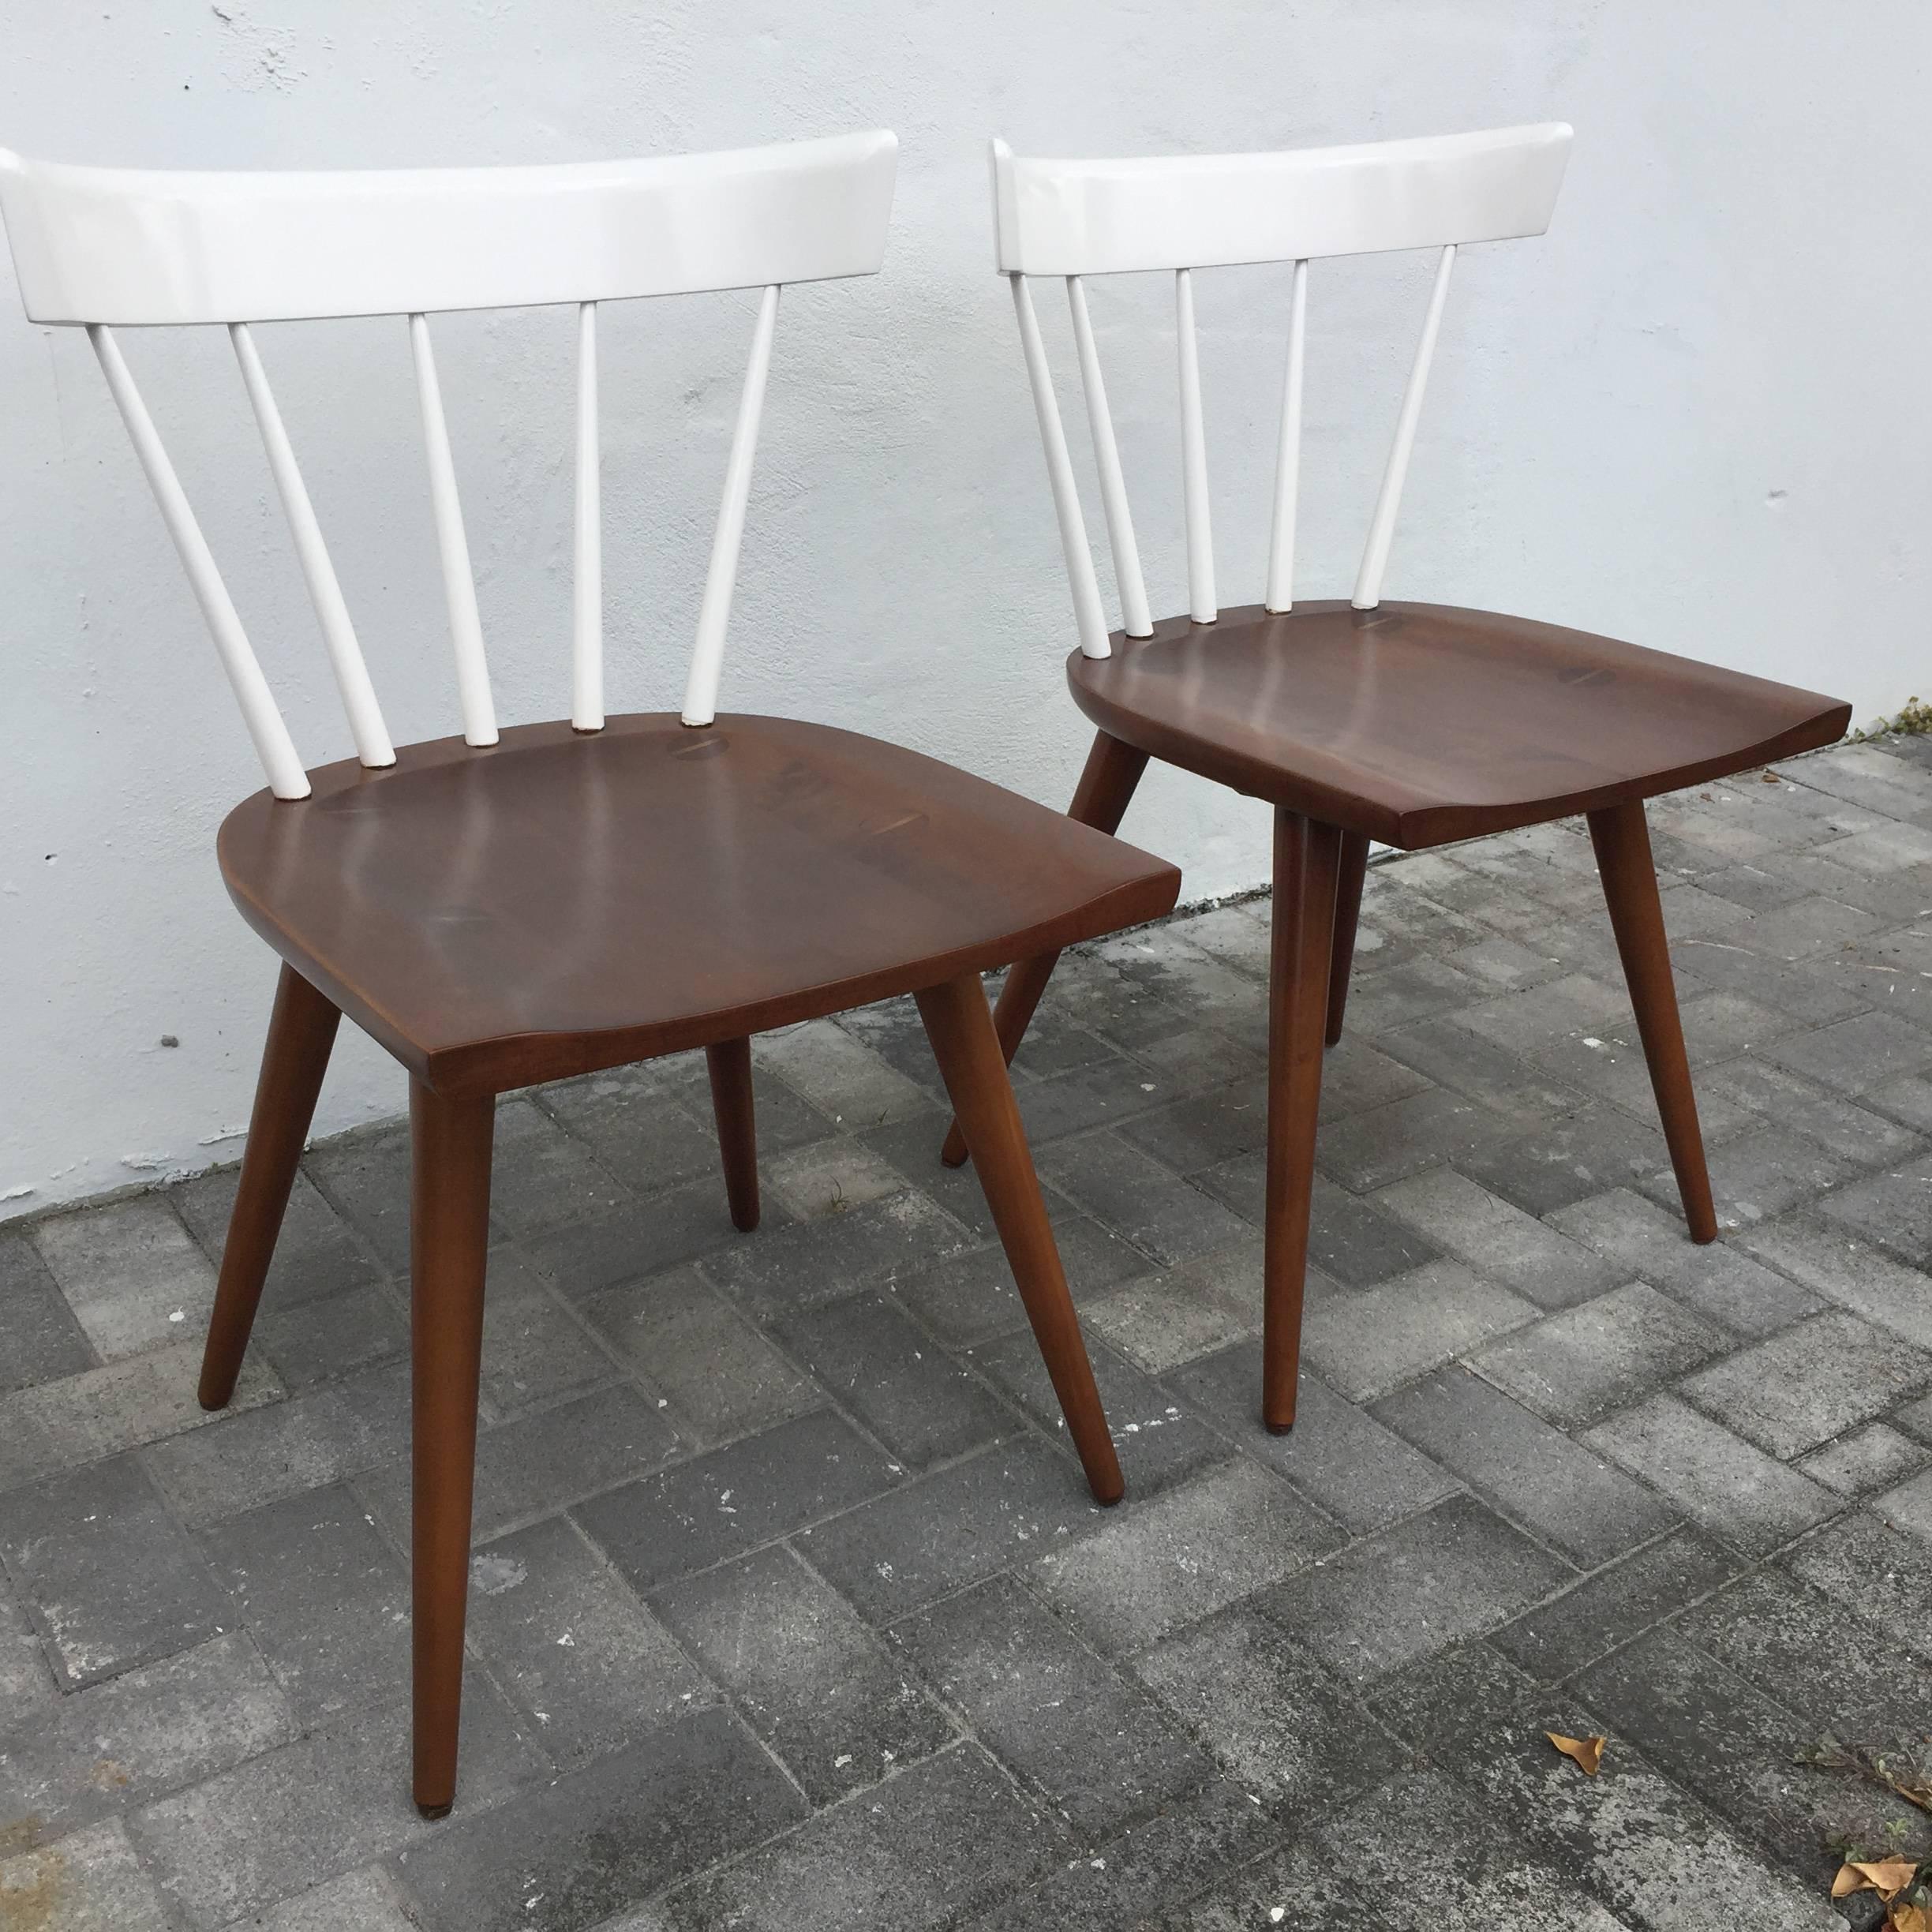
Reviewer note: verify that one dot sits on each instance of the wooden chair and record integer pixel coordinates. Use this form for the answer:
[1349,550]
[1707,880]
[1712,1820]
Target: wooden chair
[519,905]
[1411,724]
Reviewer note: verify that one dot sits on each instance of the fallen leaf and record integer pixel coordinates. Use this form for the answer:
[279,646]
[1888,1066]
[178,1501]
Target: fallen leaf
[1890,1877]
[1767,777]
[1910,1918]
[1588,1752]
[1887,1877]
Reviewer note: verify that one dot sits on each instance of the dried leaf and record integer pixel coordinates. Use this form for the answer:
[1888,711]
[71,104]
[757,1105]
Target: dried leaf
[1887,1877]
[1911,1918]
[1890,1877]
[1767,777]
[1588,1752]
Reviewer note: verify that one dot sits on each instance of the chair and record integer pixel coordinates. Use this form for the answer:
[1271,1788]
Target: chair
[1411,724]
[520,904]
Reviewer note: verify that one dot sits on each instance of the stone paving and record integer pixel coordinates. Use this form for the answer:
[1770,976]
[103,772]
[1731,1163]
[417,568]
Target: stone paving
[790,1609]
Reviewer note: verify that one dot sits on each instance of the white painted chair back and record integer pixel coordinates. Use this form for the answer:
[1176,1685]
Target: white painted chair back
[1181,213]
[103,248]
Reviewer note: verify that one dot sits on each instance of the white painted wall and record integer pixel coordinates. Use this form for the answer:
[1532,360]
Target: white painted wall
[1695,416]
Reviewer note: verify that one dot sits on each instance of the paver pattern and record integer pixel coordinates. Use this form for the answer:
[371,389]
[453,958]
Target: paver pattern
[789,1609]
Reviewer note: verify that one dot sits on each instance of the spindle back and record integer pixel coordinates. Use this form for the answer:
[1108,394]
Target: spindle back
[107,248]
[1186,212]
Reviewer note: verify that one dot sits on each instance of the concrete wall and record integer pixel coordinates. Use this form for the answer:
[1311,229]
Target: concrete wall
[1696,416]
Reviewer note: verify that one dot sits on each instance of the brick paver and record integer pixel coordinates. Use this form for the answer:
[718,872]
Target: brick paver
[790,1609]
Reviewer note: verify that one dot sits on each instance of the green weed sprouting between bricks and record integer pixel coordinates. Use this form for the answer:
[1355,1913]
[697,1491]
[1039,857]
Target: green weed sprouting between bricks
[1905,1773]
[1914,721]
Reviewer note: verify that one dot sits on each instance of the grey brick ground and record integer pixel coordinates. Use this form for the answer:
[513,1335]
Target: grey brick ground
[788,1607]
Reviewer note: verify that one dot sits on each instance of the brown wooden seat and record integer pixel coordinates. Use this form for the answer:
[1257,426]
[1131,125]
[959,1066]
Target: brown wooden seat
[1414,724]
[521,904]
[562,901]
[1417,723]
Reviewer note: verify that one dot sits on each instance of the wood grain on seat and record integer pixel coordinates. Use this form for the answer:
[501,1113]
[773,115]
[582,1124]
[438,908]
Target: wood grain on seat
[562,901]
[1417,723]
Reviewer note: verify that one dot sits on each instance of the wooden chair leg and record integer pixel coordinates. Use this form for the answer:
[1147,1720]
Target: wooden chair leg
[1307,862]
[1354,866]
[301,1031]
[960,1028]
[730,1065]
[449,1240]
[1622,837]
[1107,786]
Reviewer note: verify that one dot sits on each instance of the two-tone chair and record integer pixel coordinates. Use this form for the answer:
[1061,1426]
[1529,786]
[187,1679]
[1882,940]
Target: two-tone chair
[526,902]
[1356,720]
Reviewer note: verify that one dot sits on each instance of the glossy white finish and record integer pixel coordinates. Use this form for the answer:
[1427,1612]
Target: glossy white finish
[1288,457]
[1135,617]
[1201,605]
[473,687]
[1382,526]
[102,246]
[1100,217]
[587,540]
[1088,618]
[272,743]
[133,245]
[1185,212]
[352,678]
[714,615]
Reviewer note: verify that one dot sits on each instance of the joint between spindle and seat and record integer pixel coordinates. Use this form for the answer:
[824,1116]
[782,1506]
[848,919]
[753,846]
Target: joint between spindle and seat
[1388,502]
[1202,605]
[720,579]
[473,687]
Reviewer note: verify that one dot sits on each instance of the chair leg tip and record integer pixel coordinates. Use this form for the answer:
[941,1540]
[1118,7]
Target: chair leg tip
[1281,1428]
[433,1811]
[746,1223]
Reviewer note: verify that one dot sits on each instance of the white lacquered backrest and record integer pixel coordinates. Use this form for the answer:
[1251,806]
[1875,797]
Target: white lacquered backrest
[1186,212]
[104,248]
[123,246]
[1083,218]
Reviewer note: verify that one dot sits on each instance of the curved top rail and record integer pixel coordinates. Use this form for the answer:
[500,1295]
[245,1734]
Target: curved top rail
[132,246]
[1094,217]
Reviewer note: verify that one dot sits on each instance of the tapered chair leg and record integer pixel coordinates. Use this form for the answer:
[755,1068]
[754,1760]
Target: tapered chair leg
[1107,787]
[301,1031]
[1354,866]
[1622,837]
[960,1028]
[730,1063]
[449,1239]
[1307,862]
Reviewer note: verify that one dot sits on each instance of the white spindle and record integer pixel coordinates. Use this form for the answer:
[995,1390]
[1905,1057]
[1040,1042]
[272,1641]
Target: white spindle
[1382,529]
[1201,605]
[1288,460]
[1088,615]
[287,779]
[708,654]
[1135,619]
[587,572]
[472,688]
[352,678]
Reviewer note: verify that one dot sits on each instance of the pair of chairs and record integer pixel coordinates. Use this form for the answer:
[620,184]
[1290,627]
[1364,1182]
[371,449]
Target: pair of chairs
[518,905]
